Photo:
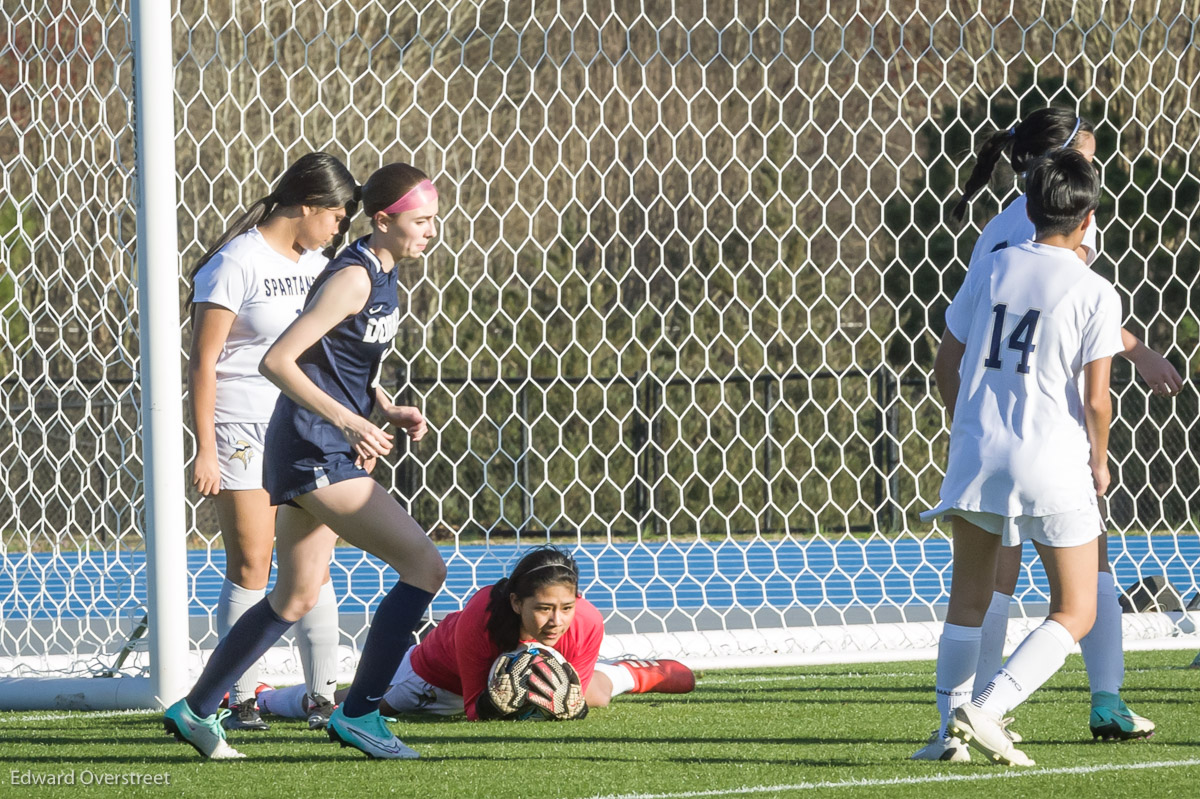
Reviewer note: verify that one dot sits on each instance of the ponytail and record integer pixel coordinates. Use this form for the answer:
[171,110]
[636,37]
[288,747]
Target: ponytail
[1039,133]
[254,216]
[318,180]
[985,164]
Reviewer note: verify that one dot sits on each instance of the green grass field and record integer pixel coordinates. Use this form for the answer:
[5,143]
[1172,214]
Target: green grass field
[842,731]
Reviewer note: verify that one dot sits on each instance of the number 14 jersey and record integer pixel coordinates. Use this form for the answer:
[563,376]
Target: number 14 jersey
[1031,316]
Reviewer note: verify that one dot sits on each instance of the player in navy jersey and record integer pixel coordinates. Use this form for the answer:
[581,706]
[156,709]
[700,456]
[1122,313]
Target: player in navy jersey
[320,438]
[246,290]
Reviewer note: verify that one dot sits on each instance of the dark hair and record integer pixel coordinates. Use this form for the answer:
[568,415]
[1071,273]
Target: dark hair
[542,567]
[1042,132]
[388,184]
[317,180]
[1060,189]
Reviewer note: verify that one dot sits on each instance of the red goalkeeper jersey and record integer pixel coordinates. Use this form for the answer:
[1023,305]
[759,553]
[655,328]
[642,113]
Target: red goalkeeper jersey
[457,655]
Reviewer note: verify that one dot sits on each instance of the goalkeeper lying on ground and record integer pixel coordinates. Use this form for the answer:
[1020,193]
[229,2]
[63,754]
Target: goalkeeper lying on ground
[447,673]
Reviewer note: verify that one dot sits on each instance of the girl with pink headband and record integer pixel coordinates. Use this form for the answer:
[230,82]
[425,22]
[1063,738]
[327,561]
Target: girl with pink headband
[320,447]
[421,194]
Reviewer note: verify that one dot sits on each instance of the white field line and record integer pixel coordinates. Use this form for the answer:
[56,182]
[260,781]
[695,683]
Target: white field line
[73,714]
[932,779]
[856,675]
[798,677]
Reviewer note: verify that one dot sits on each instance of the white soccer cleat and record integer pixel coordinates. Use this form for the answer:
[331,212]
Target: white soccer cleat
[1012,734]
[948,749]
[985,731]
[368,734]
[205,735]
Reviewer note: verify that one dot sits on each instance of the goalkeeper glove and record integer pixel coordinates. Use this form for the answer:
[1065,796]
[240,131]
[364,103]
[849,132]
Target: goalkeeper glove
[554,686]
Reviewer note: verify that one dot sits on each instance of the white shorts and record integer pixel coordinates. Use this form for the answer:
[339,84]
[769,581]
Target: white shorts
[1057,530]
[240,454]
[410,694]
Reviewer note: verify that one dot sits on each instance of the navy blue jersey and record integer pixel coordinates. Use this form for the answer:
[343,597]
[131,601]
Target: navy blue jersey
[303,450]
[345,362]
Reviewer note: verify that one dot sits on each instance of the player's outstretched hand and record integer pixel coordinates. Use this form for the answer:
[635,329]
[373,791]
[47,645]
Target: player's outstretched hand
[408,419]
[1159,374]
[556,690]
[206,474]
[367,440]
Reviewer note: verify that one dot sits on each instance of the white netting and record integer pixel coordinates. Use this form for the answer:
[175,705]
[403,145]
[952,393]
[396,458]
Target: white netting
[693,264]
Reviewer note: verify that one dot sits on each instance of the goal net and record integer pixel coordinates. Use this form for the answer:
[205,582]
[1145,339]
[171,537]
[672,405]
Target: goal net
[680,318]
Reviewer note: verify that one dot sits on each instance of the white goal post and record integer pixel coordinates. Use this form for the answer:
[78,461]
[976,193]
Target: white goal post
[679,319]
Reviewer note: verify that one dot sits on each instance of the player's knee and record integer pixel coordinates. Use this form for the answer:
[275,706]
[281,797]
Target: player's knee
[249,573]
[1077,621]
[425,568]
[296,604]
[437,569]
[968,608]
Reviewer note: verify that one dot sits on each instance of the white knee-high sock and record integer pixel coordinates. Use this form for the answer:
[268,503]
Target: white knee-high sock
[993,634]
[287,702]
[958,651]
[231,604]
[1103,649]
[1036,660]
[317,637]
[621,677]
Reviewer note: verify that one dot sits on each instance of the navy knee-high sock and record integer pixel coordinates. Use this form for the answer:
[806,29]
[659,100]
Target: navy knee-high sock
[247,641]
[388,639]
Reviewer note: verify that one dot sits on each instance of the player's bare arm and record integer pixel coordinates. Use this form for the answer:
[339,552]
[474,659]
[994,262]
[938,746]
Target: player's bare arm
[945,369]
[1156,370]
[343,295]
[405,417]
[1097,412]
[210,329]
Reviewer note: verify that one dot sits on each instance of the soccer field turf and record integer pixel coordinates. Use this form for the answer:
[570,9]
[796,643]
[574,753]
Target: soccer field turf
[843,731]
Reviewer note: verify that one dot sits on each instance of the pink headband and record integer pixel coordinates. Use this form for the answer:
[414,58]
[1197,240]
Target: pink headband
[421,194]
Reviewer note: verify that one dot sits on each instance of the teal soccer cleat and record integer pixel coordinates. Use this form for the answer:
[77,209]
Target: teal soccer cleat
[205,735]
[1112,720]
[368,734]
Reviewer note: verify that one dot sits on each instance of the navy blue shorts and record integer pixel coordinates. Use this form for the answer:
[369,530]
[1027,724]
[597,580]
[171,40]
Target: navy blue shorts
[304,452]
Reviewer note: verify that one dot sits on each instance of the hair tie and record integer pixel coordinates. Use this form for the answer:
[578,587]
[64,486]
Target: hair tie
[1074,130]
[357,193]
[421,194]
[1012,132]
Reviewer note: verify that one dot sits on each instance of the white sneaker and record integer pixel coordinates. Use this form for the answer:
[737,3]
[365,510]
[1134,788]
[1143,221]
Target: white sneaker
[368,734]
[949,749]
[985,731]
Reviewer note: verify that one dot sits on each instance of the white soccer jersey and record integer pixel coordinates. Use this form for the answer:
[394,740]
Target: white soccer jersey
[266,290]
[1011,227]
[1031,317]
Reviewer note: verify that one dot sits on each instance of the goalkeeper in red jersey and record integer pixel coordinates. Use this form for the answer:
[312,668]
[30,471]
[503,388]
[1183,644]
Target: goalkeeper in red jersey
[448,672]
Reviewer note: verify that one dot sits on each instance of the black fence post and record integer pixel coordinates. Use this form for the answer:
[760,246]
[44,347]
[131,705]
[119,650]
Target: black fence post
[639,432]
[768,505]
[523,463]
